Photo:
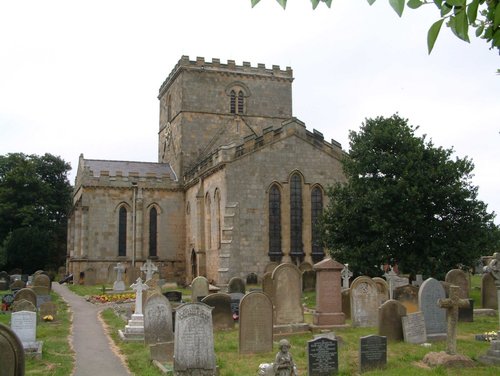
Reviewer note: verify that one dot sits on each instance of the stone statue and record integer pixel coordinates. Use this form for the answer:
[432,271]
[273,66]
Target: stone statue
[283,364]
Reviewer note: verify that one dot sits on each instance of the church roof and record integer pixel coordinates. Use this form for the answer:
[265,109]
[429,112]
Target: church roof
[128,168]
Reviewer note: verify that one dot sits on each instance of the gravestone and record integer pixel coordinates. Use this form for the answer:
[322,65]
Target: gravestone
[149,268]
[418,280]
[287,287]
[304,266]
[346,303]
[194,342]
[22,305]
[390,316]
[328,293]
[270,267]
[452,305]
[90,277]
[308,280]
[458,278]
[346,275]
[488,292]
[17,285]
[435,317]
[199,288]
[4,281]
[173,296]
[252,279]
[255,323]
[222,316]
[158,329]
[390,276]
[372,352]
[48,309]
[383,289]
[134,330]
[466,314]
[408,296]
[322,356]
[235,303]
[11,353]
[414,328]
[267,285]
[364,302]
[119,283]
[236,284]
[26,294]
[23,323]
[42,282]
[40,299]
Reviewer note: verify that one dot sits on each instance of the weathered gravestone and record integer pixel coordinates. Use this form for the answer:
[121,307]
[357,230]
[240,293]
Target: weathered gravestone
[222,316]
[40,299]
[458,278]
[252,279]
[435,317]
[149,268]
[119,283]
[22,305]
[328,293]
[236,284]
[270,267]
[322,356]
[408,296]
[304,266]
[414,328]
[452,305]
[173,296]
[158,329]
[383,289]
[256,323]
[267,285]
[199,288]
[23,323]
[90,277]
[48,309]
[389,320]
[346,275]
[11,353]
[364,302]
[287,287]
[42,283]
[308,280]
[26,294]
[372,352]
[346,303]
[17,285]
[194,342]
[488,292]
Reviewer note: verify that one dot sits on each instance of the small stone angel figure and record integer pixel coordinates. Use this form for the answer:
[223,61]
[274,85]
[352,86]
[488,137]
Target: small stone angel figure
[283,364]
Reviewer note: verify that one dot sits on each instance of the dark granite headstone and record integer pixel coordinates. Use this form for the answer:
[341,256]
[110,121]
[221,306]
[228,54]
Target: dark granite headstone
[173,296]
[222,317]
[372,352]
[467,314]
[252,279]
[235,302]
[322,356]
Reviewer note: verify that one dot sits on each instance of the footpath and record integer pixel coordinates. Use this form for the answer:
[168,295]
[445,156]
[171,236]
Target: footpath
[93,348]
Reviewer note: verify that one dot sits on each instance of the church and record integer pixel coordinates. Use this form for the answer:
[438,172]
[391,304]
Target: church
[240,183]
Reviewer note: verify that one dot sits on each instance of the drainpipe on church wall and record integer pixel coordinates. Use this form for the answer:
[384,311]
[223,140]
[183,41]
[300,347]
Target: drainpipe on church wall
[134,203]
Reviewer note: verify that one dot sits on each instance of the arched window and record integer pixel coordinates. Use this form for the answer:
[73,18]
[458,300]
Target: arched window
[232,105]
[208,222]
[296,247]
[122,231]
[275,253]
[240,102]
[153,231]
[316,211]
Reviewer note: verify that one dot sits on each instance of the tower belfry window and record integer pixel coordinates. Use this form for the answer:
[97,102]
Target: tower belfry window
[233,102]
[237,102]
[240,102]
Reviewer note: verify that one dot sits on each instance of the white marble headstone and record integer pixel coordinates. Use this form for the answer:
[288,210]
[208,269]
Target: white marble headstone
[23,323]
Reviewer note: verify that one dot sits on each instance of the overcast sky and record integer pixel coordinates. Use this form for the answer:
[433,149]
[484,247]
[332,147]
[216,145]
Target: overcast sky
[83,76]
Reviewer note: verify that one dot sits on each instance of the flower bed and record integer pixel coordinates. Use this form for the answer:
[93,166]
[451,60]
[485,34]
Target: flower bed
[112,298]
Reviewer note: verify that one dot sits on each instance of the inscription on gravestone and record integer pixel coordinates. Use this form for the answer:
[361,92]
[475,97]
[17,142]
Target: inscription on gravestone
[373,352]
[323,357]
[414,328]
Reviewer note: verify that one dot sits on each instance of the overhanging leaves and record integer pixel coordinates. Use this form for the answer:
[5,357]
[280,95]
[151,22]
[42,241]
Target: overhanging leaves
[398,6]
[433,33]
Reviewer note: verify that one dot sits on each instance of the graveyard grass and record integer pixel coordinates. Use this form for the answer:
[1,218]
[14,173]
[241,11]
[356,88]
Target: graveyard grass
[58,357]
[403,359]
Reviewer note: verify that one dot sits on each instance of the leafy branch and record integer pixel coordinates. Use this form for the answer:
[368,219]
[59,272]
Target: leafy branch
[458,15]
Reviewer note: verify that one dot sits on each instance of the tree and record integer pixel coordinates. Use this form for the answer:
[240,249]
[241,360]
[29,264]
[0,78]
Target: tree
[459,15]
[405,201]
[35,196]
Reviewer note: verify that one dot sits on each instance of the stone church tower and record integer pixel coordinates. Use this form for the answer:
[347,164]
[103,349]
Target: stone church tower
[239,182]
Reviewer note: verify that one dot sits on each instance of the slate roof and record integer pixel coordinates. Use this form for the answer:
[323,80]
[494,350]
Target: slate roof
[127,168]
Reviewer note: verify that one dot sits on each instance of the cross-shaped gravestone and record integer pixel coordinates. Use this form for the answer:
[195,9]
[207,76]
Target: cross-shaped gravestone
[389,276]
[346,274]
[452,304]
[138,287]
[119,285]
[494,269]
[149,268]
